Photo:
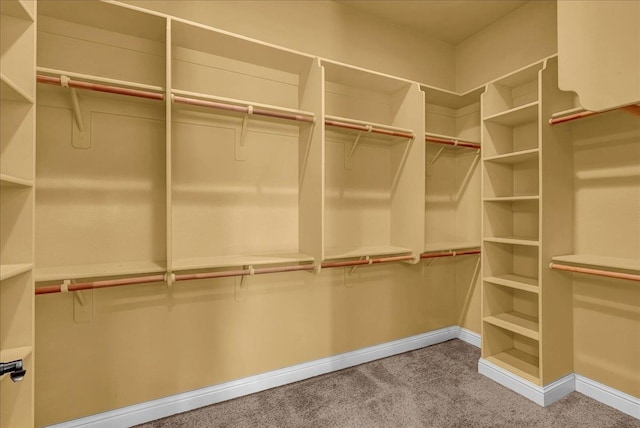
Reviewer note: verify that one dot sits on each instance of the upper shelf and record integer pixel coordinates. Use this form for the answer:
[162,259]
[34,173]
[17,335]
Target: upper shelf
[239,261]
[347,253]
[11,270]
[600,261]
[57,273]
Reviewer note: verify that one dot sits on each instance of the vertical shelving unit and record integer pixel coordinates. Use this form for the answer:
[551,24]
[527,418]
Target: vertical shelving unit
[246,151]
[17,177]
[102,154]
[527,195]
[452,186]
[374,169]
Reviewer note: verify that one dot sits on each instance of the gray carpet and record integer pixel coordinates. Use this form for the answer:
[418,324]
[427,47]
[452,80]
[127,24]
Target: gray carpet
[437,386]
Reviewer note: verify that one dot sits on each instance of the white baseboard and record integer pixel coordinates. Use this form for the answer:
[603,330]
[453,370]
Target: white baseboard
[541,395]
[469,336]
[611,397]
[156,409]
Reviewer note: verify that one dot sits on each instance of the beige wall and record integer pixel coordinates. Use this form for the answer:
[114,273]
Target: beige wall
[607,209]
[327,29]
[526,35]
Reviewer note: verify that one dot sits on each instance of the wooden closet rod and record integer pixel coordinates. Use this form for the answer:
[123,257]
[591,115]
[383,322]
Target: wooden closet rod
[367,128]
[48,289]
[242,109]
[451,142]
[242,272]
[633,109]
[65,82]
[366,262]
[598,272]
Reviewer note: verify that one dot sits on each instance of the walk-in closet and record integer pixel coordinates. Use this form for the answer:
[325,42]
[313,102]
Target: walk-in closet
[201,200]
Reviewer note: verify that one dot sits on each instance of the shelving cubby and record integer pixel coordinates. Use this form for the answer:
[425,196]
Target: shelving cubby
[100,164]
[527,207]
[452,185]
[373,181]
[17,199]
[245,188]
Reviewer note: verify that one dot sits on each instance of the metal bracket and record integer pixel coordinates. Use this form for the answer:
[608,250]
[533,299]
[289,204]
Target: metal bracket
[83,306]
[81,138]
[240,146]
[242,284]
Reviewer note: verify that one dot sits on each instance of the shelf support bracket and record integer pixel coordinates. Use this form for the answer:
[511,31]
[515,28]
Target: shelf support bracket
[435,158]
[348,153]
[241,148]
[81,138]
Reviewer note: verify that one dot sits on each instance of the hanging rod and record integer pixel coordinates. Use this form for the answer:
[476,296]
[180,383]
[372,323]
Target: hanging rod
[367,128]
[598,272]
[449,254]
[632,108]
[451,142]
[366,261]
[63,288]
[69,83]
[241,109]
[242,272]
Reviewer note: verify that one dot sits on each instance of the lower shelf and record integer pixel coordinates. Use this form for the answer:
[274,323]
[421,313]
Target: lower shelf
[519,363]
[11,270]
[516,322]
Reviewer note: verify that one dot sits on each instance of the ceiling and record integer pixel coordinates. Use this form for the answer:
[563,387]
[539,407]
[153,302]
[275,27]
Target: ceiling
[451,21]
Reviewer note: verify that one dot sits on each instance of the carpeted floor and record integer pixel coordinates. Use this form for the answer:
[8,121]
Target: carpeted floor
[437,386]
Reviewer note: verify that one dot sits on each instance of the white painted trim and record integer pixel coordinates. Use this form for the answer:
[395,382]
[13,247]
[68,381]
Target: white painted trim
[541,395]
[611,397]
[469,336]
[156,409]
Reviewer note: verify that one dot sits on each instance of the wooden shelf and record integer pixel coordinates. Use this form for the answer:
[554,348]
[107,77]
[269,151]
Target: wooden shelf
[515,116]
[600,262]
[347,253]
[57,273]
[9,90]
[449,246]
[513,241]
[513,198]
[10,181]
[518,362]
[12,354]
[518,282]
[10,270]
[239,261]
[516,322]
[515,157]
[17,9]
[99,79]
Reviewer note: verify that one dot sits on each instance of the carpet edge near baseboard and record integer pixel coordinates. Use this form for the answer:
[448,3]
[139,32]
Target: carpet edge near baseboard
[186,401]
